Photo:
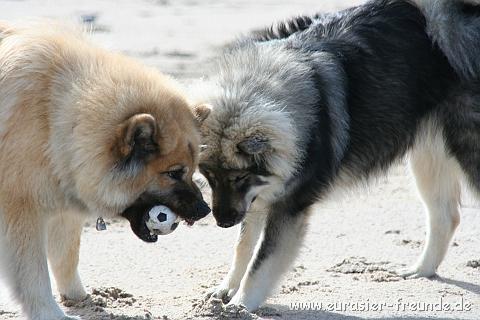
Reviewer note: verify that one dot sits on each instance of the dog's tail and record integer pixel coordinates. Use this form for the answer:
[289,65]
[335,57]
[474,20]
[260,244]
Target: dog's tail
[455,26]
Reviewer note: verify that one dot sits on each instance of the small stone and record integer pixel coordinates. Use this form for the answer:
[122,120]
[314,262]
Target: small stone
[473,264]
[392,232]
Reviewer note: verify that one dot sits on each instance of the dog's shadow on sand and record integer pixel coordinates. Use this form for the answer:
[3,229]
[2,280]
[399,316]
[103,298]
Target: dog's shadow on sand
[287,313]
[473,288]
[284,312]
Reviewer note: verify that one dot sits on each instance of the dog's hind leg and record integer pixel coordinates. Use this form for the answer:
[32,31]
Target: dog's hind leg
[280,243]
[437,175]
[248,236]
[23,247]
[64,231]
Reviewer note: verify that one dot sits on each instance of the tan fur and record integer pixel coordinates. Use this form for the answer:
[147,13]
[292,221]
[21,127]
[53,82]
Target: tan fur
[64,105]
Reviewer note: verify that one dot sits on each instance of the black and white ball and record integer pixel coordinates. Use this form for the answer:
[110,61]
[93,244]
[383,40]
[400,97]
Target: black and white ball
[162,220]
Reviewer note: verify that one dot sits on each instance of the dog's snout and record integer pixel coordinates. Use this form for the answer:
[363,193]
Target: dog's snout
[229,220]
[202,208]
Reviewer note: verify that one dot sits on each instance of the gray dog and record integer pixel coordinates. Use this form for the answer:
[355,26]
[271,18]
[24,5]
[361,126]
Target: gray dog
[325,102]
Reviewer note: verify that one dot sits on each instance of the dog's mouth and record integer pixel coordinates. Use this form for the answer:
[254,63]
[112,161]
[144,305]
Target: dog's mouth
[138,214]
[189,222]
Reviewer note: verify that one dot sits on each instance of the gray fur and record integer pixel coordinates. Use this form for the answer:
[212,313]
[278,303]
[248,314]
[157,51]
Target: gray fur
[274,97]
[455,32]
[254,145]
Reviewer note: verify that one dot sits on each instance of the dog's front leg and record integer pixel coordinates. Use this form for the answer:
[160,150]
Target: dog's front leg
[64,232]
[248,236]
[23,248]
[279,246]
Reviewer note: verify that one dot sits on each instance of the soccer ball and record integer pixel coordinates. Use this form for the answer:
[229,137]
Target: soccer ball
[162,220]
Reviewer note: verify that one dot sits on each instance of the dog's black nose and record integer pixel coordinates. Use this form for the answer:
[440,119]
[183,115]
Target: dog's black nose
[226,224]
[228,218]
[202,209]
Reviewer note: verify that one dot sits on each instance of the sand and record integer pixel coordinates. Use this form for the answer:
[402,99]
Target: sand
[355,241]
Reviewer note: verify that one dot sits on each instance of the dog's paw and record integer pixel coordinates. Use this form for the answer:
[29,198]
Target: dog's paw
[223,292]
[76,293]
[415,272]
[236,301]
[240,300]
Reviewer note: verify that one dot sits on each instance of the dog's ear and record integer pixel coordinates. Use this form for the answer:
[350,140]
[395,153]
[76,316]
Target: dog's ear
[254,145]
[136,138]
[201,112]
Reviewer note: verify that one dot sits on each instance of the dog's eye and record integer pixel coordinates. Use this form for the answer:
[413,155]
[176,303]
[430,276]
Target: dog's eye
[176,174]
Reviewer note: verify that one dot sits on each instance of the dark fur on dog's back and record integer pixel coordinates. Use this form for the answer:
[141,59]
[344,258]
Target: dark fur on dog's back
[455,26]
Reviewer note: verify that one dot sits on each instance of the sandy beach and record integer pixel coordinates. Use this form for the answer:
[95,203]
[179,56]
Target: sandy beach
[355,240]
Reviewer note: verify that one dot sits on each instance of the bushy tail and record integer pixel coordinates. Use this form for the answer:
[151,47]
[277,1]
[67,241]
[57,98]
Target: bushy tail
[455,26]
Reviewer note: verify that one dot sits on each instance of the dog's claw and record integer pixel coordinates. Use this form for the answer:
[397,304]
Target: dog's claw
[208,296]
[223,293]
